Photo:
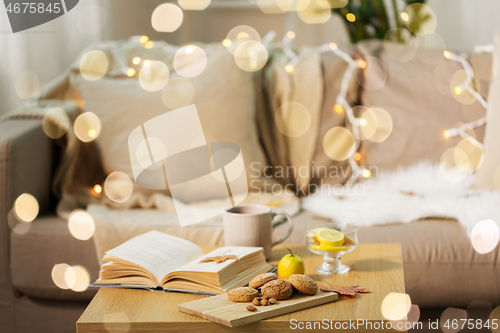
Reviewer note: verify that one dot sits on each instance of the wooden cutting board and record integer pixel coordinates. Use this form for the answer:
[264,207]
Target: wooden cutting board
[220,310]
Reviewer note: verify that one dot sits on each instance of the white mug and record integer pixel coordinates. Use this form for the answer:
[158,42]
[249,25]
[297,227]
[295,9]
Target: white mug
[252,225]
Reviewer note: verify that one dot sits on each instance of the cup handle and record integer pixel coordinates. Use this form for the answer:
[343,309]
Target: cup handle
[289,219]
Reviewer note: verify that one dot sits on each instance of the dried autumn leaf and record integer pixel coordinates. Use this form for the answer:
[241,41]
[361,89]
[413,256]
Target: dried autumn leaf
[344,290]
[219,259]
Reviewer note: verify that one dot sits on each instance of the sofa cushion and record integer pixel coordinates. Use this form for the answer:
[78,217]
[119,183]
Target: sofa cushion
[418,97]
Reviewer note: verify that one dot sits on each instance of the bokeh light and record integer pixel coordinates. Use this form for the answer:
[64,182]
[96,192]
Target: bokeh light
[292,119]
[411,319]
[136,60]
[130,72]
[27,84]
[55,123]
[338,143]
[77,278]
[118,186]
[472,151]
[94,65]
[337,108]
[396,306]
[375,74]
[250,56]
[143,39]
[97,188]
[378,124]
[241,34]
[314,11]
[91,19]
[190,61]
[194,4]
[154,76]
[485,236]
[448,165]
[26,208]
[421,19]
[152,147]
[177,93]
[149,44]
[449,315]
[462,95]
[400,44]
[81,225]
[58,273]
[87,126]
[167,17]
[495,315]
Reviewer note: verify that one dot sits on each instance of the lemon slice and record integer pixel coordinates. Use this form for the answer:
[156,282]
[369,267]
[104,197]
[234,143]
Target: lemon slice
[330,237]
[313,232]
[328,248]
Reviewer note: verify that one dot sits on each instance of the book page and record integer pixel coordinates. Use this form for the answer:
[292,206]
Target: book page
[212,267]
[158,252]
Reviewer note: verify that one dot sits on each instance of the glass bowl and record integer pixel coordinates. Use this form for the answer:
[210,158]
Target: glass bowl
[331,240]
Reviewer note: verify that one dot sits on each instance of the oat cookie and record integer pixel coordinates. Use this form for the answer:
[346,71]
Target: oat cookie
[304,284]
[242,294]
[262,279]
[278,289]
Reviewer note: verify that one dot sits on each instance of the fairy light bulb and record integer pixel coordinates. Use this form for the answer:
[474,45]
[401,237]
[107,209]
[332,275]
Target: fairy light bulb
[350,17]
[149,45]
[289,68]
[447,54]
[290,34]
[446,134]
[189,49]
[366,173]
[333,46]
[136,60]
[147,63]
[226,42]
[143,39]
[405,17]
[362,122]
[91,133]
[362,64]
[97,188]
[130,72]
[357,156]
[457,90]
[337,108]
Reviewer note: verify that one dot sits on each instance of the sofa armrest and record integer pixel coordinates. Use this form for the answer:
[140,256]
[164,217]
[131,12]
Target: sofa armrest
[26,165]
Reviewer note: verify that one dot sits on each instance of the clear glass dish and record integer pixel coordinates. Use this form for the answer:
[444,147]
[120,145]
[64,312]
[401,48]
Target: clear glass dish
[331,249]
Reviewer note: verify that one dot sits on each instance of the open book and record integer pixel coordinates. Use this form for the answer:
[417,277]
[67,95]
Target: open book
[158,261]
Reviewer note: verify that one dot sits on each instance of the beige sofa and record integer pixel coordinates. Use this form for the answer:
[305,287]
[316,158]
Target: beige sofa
[440,265]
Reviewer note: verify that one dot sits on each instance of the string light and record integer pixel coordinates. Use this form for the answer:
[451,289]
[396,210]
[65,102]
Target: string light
[467,87]
[226,42]
[337,108]
[366,173]
[136,60]
[289,68]
[350,17]
[362,64]
[97,188]
[149,45]
[130,72]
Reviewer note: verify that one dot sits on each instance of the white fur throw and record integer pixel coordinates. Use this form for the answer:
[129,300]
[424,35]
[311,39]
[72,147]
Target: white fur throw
[406,195]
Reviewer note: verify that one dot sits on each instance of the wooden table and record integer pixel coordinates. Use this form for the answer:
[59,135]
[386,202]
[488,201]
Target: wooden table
[376,267]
